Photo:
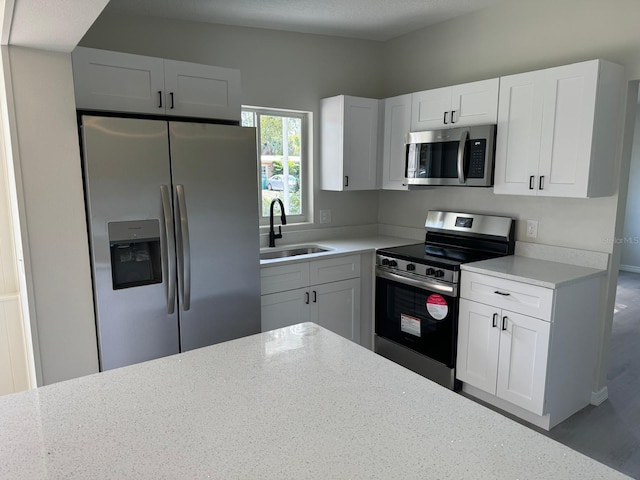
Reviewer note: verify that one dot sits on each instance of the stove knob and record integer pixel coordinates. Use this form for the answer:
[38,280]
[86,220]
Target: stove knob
[410,267]
[438,274]
[385,262]
[430,271]
[393,263]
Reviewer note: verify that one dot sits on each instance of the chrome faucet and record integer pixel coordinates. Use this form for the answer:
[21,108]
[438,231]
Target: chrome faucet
[283,219]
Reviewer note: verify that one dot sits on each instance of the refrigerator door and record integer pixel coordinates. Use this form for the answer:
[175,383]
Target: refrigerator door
[214,171]
[129,205]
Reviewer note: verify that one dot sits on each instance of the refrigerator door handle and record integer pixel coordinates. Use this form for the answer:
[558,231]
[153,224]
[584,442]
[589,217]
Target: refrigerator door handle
[185,250]
[169,257]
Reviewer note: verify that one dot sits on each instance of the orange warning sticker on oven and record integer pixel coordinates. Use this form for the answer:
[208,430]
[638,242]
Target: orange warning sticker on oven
[410,325]
[437,306]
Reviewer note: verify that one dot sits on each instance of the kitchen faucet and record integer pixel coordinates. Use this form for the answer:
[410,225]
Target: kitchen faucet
[283,219]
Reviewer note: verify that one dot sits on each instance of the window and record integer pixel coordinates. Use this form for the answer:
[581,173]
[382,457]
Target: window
[282,157]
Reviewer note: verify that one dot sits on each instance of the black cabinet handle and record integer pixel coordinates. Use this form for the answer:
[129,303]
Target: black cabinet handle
[315,296]
[495,320]
[445,118]
[452,116]
[346,180]
[531,182]
[502,293]
[541,184]
[159,98]
[306,298]
[504,322]
[171,95]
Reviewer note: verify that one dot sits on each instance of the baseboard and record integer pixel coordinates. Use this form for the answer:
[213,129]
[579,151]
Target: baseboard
[600,396]
[630,268]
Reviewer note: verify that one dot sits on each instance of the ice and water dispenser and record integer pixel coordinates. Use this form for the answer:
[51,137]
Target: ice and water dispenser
[135,253]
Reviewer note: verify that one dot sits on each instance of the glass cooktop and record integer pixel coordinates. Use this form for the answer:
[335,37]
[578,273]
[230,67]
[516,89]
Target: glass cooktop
[439,256]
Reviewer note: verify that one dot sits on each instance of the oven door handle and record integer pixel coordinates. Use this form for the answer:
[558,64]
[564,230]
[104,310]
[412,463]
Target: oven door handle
[464,136]
[431,286]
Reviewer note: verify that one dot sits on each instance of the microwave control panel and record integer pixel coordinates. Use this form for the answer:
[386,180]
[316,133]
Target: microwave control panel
[477,152]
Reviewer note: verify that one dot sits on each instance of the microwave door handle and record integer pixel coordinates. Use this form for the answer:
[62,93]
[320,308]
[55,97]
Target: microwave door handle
[464,136]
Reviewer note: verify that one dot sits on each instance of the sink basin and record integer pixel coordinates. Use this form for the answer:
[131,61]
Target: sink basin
[292,252]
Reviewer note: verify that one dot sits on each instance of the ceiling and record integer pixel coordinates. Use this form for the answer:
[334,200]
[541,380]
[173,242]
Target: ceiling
[365,19]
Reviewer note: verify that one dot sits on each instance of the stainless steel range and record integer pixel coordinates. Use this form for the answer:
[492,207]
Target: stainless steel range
[417,289]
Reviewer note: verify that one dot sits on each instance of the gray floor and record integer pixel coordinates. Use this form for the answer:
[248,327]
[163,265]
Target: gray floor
[610,433]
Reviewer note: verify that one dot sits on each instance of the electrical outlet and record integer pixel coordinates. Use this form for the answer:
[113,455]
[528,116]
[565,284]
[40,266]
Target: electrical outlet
[532,228]
[325,216]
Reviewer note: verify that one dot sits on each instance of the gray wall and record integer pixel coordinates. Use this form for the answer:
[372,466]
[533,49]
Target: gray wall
[630,240]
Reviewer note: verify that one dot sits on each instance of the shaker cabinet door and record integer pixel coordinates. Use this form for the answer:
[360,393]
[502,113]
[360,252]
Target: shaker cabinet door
[336,306]
[397,124]
[284,309]
[475,103]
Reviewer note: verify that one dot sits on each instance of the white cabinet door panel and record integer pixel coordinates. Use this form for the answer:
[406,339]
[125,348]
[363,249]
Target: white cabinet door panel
[478,341]
[361,143]
[567,130]
[520,110]
[429,109]
[196,90]
[284,277]
[397,123]
[336,306]
[475,103]
[334,269]
[522,366]
[114,81]
[285,308]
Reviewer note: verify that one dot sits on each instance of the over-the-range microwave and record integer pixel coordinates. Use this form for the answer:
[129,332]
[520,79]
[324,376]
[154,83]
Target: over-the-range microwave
[456,156]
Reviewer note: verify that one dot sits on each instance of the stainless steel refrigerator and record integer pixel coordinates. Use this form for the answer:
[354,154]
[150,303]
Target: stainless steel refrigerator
[173,223]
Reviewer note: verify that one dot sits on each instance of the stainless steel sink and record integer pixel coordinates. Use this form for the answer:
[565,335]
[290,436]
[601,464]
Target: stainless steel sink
[292,252]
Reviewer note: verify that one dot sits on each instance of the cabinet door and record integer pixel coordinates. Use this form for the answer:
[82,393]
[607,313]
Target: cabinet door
[360,143]
[397,123]
[195,90]
[522,365]
[478,345]
[114,81]
[431,109]
[475,103]
[567,129]
[336,306]
[285,308]
[520,110]
[280,278]
[333,269]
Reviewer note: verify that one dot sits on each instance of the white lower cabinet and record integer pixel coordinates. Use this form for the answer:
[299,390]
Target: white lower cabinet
[503,353]
[330,295]
[527,349]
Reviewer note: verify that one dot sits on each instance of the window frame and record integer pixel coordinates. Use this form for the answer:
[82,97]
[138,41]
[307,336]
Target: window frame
[306,165]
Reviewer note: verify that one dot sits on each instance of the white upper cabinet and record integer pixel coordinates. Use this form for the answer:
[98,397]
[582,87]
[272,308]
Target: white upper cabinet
[349,143]
[557,130]
[397,123]
[474,103]
[122,82]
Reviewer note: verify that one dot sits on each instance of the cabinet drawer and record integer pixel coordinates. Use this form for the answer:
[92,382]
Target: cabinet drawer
[334,269]
[284,277]
[501,293]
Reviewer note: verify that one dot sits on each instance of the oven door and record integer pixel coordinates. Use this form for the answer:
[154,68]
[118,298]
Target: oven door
[419,315]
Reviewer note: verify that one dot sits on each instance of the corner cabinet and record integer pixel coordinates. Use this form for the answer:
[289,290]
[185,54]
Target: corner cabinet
[528,349]
[348,143]
[474,103]
[122,82]
[558,131]
[397,123]
[326,292]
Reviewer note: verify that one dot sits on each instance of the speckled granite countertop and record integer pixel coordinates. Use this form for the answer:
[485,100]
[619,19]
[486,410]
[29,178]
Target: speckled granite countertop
[533,271]
[295,403]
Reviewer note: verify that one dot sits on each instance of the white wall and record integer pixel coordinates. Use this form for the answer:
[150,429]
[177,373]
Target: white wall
[45,147]
[278,69]
[630,240]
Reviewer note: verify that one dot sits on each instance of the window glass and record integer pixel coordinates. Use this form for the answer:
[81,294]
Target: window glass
[281,156]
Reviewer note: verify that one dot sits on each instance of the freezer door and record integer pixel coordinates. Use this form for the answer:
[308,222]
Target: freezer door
[214,170]
[127,174]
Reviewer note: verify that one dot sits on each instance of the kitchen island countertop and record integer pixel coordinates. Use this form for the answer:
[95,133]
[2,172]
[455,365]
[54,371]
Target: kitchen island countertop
[294,403]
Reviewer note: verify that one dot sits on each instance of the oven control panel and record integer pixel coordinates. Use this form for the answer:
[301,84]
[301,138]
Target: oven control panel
[399,266]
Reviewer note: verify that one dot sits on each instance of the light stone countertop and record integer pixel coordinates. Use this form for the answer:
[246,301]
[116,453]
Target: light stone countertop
[533,271]
[339,246]
[294,403]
